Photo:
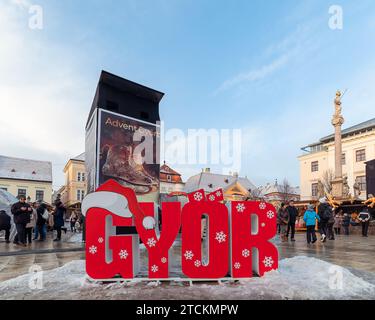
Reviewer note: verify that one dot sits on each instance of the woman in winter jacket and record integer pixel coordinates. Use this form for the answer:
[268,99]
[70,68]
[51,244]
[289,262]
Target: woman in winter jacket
[310,217]
[345,223]
[31,225]
[42,218]
[58,220]
[338,222]
[283,218]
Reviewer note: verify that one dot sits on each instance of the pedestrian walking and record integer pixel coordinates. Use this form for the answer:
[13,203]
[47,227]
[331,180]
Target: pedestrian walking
[364,217]
[283,216]
[346,223]
[73,220]
[42,218]
[338,222]
[21,214]
[310,217]
[5,225]
[293,214]
[58,220]
[325,213]
[330,224]
[31,225]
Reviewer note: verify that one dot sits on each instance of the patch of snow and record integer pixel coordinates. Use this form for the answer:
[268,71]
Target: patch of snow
[297,278]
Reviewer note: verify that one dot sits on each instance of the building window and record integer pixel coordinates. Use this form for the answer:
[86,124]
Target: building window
[39,195]
[314,189]
[314,166]
[362,183]
[21,192]
[83,177]
[80,195]
[169,178]
[360,155]
[79,177]
[343,159]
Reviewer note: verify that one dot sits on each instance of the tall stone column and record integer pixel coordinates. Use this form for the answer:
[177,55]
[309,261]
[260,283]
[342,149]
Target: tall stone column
[337,122]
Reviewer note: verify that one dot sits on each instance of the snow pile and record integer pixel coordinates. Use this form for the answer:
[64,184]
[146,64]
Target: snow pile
[297,278]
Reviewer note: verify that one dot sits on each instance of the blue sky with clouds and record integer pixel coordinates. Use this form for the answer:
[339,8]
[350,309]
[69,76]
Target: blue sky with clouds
[270,68]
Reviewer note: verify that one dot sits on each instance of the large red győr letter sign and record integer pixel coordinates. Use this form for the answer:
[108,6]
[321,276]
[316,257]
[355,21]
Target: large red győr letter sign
[237,243]
[218,240]
[158,248]
[108,254]
[253,224]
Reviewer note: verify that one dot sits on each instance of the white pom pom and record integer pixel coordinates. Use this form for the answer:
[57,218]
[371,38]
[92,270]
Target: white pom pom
[149,223]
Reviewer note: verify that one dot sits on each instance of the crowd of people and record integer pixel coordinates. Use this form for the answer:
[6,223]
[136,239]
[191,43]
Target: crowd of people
[34,220]
[330,221]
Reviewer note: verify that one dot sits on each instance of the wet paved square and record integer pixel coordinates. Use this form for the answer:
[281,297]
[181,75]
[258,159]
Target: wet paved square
[353,252]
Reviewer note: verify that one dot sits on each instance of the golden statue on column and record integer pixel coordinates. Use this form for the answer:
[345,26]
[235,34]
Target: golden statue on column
[337,122]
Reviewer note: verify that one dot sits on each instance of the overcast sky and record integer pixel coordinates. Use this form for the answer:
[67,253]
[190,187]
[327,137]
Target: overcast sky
[270,68]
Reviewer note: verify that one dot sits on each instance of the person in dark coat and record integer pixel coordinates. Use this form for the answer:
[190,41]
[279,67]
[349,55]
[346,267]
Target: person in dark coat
[5,225]
[364,217]
[325,213]
[346,223]
[58,219]
[21,212]
[293,214]
[283,216]
[41,214]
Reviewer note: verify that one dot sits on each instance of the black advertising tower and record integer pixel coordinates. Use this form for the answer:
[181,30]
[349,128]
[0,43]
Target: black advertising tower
[370,177]
[123,136]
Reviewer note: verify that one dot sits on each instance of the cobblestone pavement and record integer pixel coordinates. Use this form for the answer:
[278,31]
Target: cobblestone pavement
[353,252]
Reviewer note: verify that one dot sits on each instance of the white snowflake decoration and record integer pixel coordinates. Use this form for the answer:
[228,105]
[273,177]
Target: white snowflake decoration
[262,206]
[221,236]
[123,254]
[151,242]
[93,249]
[240,207]
[100,240]
[198,196]
[197,263]
[164,260]
[218,193]
[268,262]
[270,214]
[189,255]
[154,268]
[212,197]
[237,265]
[246,253]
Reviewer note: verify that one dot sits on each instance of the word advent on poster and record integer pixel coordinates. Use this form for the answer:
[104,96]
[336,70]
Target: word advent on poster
[238,236]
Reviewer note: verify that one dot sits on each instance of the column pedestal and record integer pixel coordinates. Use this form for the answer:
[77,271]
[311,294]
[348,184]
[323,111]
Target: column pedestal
[337,188]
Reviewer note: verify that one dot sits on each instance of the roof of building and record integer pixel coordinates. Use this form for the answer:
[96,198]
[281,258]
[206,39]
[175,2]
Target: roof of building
[25,169]
[358,128]
[277,188]
[213,181]
[80,157]
[168,170]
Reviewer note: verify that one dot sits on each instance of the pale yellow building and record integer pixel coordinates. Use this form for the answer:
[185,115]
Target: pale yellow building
[29,178]
[74,190]
[358,146]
